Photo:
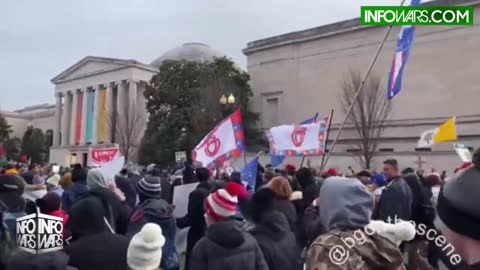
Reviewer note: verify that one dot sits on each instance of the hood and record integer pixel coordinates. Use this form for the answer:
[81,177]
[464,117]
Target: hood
[95,179]
[273,224]
[345,204]
[158,208]
[227,233]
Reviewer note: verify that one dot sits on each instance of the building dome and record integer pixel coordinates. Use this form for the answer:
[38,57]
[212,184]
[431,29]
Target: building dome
[197,52]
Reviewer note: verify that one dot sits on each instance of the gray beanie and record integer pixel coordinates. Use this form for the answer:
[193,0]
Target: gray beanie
[459,199]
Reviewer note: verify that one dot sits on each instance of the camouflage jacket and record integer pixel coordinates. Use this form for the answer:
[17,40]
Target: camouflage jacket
[352,250]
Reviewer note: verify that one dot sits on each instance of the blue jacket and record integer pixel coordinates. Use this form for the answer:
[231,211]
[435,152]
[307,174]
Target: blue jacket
[79,189]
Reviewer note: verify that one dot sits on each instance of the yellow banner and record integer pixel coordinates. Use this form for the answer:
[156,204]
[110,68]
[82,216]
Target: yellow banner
[102,116]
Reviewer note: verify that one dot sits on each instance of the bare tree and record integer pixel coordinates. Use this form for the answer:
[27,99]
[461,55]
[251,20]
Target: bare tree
[126,128]
[368,115]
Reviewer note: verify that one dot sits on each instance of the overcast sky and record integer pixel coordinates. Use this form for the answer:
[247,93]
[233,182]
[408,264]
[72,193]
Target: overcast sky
[40,39]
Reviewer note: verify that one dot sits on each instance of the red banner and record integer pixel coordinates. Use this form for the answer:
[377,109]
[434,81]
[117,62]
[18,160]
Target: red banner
[102,155]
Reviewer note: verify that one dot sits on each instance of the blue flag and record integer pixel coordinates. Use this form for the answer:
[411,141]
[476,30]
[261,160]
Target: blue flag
[276,160]
[249,173]
[402,54]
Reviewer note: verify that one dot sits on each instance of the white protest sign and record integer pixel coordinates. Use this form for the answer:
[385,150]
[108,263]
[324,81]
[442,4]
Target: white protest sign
[180,198]
[463,152]
[111,168]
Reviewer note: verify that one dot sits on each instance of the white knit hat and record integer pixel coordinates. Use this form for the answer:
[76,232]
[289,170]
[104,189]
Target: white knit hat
[54,180]
[145,249]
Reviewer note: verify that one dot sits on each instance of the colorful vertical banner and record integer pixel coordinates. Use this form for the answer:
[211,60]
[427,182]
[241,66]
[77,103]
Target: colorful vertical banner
[90,111]
[79,119]
[102,116]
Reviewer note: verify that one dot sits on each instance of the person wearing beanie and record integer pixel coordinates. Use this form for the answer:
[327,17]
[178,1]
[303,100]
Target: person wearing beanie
[53,184]
[145,248]
[153,209]
[79,187]
[345,210]
[458,210]
[195,213]
[273,233]
[364,177]
[226,236]
[51,204]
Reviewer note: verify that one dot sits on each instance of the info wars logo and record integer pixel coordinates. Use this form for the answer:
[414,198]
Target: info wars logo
[39,233]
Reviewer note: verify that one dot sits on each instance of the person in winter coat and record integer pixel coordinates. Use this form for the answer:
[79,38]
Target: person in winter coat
[458,210]
[53,184]
[145,249]
[397,199]
[22,260]
[121,181]
[310,191]
[282,190]
[153,209]
[94,245]
[51,204]
[226,244]
[194,217]
[79,187]
[167,188]
[115,210]
[12,203]
[273,234]
[345,210]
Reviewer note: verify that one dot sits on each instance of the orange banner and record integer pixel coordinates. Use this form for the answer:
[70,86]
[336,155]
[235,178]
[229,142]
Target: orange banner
[102,116]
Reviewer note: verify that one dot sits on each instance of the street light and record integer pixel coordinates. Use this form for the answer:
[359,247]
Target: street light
[228,104]
[223,100]
[231,99]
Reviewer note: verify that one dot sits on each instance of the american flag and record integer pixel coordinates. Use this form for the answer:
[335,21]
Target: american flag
[402,54]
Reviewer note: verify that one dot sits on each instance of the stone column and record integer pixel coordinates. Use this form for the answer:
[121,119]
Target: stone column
[58,120]
[84,117]
[65,121]
[132,95]
[110,110]
[121,99]
[95,90]
[73,118]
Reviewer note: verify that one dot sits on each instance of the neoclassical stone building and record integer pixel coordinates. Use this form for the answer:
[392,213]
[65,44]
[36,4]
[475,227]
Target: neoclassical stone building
[96,93]
[297,74]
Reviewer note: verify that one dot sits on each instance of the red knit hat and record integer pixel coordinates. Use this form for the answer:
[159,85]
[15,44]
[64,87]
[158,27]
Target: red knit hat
[223,202]
[332,172]
[290,167]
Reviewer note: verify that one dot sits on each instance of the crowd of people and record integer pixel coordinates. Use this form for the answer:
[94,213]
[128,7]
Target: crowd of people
[292,219]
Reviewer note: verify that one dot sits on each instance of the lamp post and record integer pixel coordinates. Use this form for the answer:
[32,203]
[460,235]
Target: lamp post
[228,104]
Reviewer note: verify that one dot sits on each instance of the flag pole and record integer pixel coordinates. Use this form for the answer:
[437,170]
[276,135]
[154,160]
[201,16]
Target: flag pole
[360,88]
[326,139]
[303,157]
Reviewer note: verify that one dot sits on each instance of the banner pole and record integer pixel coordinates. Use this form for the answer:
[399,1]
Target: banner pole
[360,88]
[327,135]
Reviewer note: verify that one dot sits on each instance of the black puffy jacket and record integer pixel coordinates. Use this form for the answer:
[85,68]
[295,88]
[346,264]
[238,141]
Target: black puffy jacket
[227,246]
[277,242]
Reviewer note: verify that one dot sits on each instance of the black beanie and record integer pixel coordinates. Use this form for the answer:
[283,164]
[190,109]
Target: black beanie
[459,199]
[49,203]
[262,203]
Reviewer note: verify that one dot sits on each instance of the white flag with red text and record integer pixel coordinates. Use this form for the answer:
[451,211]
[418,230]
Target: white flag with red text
[298,140]
[224,142]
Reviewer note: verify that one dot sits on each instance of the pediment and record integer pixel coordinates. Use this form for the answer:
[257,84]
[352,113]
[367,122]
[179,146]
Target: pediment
[92,65]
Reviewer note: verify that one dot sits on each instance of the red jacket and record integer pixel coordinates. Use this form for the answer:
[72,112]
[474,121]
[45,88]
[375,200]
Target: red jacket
[61,214]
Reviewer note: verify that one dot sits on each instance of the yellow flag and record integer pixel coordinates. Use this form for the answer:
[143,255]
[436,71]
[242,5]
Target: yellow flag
[446,132]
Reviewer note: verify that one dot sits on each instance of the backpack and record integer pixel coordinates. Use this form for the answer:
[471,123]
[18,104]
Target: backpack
[142,215]
[422,209]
